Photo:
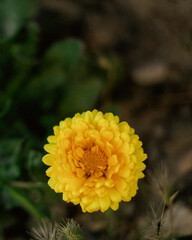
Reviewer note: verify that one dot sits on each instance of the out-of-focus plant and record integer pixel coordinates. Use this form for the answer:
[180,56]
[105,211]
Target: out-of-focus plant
[66,230]
[37,89]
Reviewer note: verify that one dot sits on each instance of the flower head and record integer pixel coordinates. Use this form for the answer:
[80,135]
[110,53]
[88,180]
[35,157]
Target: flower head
[94,160]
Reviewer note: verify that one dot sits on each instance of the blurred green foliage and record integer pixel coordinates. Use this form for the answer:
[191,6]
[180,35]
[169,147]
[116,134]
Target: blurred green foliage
[37,90]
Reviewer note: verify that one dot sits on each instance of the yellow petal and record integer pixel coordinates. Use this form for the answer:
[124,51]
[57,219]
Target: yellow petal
[50,170]
[65,197]
[135,138]
[94,206]
[50,148]
[124,172]
[126,198]
[109,183]
[101,192]
[124,127]
[66,123]
[120,185]
[48,159]
[132,131]
[88,116]
[106,135]
[102,123]
[114,195]
[131,149]
[142,166]
[112,160]
[104,203]
[79,152]
[109,116]
[114,206]
[75,200]
[52,139]
[124,148]
[56,130]
[140,175]
[125,136]
[86,200]
[80,172]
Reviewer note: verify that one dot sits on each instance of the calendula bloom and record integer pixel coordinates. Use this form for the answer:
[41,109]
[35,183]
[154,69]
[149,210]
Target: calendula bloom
[94,160]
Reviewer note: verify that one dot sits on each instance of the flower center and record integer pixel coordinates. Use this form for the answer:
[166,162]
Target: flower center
[94,161]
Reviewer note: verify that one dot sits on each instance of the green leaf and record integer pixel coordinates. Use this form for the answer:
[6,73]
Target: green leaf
[22,200]
[9,150]
[65,54]
[9,172]
[24,51]
[13,15]
[45,83]
[9,155]
[81,97]
[5,105]
[35,166]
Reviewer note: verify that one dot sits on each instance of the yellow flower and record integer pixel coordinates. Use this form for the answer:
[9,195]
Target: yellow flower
[94,160]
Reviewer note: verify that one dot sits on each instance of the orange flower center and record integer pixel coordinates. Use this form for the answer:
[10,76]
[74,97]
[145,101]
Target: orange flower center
[94,161]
